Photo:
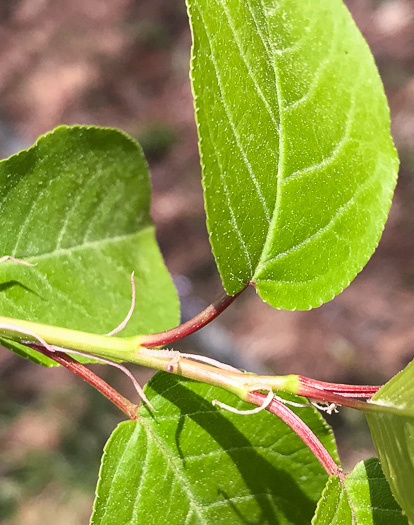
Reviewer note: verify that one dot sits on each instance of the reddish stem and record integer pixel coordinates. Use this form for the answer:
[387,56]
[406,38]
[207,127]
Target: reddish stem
[87,375]
[301,429]
[359,391]
[316,394]
[193,325]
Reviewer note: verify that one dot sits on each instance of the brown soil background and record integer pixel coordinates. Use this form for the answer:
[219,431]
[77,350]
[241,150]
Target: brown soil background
[124,63]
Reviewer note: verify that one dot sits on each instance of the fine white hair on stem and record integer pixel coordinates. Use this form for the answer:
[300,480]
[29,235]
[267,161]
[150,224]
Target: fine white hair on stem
[324,407]
[293,403]
[329,408]
[25,331]
[13,259]
[263,406]
[175,356]
[122,325]
[123,368]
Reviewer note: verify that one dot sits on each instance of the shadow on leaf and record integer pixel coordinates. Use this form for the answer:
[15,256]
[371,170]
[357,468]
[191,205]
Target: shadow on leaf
[275,490]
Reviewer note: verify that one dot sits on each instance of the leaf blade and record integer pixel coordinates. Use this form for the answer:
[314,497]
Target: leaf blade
[296,189]
[77,205]
[364,498]
[209,466]
[393,435]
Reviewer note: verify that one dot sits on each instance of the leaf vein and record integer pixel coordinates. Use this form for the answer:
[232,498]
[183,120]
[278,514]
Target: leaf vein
[75,202]
[102,204]
[249,69]
[316,75]
[144,470]
[134,437]
[229,204]
[229,116]
[327,161]
[88,245]
[29,214]
[194,504]
[340,211]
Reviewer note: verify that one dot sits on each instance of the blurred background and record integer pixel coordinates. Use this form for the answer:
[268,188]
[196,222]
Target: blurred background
[124,63]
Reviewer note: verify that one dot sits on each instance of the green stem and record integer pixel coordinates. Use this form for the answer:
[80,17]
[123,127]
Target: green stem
[245,386]
[74,339]
[128,349]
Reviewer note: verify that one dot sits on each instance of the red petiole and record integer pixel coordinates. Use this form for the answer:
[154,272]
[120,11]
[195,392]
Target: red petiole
[193,325]
[301,429]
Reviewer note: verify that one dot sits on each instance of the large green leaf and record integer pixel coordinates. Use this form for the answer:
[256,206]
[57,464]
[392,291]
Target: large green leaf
[77,205]
[298,164]
[393,436]
[190,463]
[365,498]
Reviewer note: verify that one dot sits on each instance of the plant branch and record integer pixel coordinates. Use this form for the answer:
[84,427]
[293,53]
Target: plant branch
[87,375]
[247,387]
[129,349]
[358,391]
[193,325]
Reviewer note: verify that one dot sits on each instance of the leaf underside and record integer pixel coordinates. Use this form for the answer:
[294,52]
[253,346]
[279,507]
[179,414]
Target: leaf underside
[393,436]
[191,463]
[76,204]
[365,499]
[298,164]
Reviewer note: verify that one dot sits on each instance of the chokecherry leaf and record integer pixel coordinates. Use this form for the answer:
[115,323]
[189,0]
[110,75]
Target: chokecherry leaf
[298,164]
[76,205]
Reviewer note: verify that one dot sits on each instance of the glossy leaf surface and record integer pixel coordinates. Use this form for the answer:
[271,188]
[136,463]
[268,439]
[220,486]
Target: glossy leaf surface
[393,436]
[76,204]
[192,463]
[364,499]
[298,164]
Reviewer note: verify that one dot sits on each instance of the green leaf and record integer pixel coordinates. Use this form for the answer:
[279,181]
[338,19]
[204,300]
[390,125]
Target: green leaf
[77,205]
[195,464]
[364,499]
[298,164]
[393,435]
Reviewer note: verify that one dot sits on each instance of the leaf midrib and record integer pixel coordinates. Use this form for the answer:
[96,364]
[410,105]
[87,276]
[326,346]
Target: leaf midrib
[86,246]
[281,180]
[281,157]
[280,163]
